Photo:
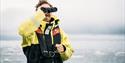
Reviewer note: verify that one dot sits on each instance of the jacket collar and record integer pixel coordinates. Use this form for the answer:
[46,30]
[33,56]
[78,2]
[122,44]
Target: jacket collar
[44,23]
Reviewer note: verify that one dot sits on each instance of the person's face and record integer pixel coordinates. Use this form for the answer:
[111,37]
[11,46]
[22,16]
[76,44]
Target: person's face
[48,15]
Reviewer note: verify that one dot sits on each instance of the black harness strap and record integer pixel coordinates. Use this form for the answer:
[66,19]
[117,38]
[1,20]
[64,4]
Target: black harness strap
[57,35]
[41,40]
[48,38]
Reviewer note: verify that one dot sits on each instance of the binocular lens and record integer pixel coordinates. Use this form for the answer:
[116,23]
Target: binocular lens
[49,10]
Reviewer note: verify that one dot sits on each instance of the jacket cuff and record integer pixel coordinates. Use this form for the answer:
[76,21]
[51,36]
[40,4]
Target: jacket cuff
[64,48]
[64,55]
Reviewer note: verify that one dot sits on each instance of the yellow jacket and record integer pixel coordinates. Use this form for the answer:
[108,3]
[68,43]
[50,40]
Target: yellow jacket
[27,31]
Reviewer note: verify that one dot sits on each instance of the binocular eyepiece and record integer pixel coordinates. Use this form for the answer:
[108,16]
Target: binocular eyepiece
[49,10]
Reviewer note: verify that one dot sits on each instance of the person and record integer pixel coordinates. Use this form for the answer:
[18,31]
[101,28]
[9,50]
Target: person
[43,41]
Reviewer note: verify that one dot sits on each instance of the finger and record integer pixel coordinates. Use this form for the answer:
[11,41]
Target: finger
[57,45]
[60,48]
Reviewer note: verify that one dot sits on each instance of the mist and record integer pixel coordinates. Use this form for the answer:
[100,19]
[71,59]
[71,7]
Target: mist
[76,16]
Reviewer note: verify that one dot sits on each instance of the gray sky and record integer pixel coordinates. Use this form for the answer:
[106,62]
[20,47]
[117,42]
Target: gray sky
[77,16]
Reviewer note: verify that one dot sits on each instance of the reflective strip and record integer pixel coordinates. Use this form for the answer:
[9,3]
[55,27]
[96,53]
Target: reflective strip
[48,29]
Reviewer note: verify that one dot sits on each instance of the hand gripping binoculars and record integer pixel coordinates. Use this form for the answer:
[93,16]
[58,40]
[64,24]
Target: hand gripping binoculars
[49,10]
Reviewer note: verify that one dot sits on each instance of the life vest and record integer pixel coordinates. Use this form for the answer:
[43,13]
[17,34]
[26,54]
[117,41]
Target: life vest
[45,51]
[48,49]
[45,40]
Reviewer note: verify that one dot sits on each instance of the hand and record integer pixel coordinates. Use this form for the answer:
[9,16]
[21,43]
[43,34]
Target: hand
[60,48]
[39,16]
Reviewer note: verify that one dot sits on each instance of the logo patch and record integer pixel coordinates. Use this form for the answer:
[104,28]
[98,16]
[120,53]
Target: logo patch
[55,31]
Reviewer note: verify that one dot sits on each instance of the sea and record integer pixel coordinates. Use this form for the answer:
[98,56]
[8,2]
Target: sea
[87,49]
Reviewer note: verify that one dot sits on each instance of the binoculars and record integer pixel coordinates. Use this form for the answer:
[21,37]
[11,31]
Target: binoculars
[49,10]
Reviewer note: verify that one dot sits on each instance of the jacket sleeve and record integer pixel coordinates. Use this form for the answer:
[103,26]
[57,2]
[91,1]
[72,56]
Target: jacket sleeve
[30,25]
[68,48]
